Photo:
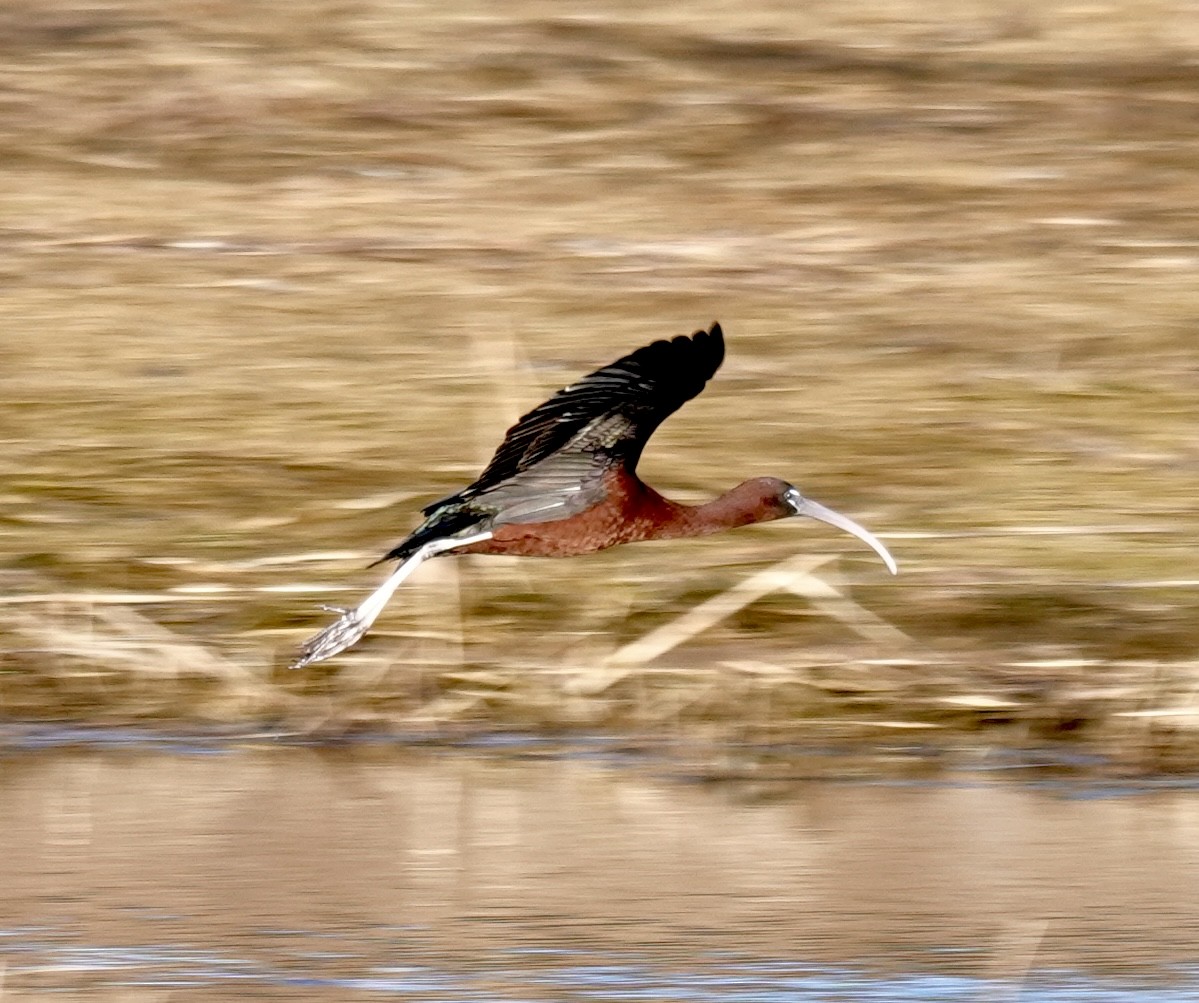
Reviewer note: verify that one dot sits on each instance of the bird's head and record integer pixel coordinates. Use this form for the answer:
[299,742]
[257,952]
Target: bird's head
[782,501]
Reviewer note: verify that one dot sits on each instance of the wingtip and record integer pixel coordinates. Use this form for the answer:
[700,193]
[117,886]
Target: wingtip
[714,337]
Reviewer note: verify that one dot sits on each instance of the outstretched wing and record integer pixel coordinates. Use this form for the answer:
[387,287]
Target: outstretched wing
[610,413]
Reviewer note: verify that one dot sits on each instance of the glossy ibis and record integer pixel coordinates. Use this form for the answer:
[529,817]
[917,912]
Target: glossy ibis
[564,482]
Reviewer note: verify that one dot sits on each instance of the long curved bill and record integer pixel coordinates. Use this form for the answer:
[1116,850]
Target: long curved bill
[815,510]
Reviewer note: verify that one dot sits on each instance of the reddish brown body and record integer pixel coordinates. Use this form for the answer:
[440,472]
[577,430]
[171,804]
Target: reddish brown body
[631,512]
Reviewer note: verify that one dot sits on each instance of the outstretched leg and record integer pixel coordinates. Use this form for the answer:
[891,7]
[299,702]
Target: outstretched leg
[353,623]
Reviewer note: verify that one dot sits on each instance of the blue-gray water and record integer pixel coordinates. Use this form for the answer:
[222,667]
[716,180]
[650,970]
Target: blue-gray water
[382,873]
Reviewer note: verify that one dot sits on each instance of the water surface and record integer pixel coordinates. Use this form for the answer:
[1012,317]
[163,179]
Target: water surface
[449,875]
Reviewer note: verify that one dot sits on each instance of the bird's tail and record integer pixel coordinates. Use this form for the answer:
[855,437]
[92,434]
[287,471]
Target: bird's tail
[439,526]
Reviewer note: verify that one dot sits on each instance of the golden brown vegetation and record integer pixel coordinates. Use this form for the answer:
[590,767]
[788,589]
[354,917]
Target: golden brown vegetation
[272,281]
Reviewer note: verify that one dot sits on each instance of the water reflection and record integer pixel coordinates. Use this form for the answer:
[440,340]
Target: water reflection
[431,875]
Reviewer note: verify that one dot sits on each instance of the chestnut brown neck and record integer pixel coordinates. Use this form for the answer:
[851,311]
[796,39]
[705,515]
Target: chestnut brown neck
[757,500]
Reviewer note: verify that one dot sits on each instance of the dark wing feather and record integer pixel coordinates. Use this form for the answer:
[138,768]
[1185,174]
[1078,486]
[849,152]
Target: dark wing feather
[612,411]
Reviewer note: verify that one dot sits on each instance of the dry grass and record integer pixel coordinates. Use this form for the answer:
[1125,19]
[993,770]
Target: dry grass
[269,286]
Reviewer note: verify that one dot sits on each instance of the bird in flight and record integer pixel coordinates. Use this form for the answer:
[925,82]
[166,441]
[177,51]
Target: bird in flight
[564,482]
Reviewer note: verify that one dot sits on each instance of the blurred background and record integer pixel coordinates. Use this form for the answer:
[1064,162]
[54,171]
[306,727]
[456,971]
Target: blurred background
[275,277]
[272,283]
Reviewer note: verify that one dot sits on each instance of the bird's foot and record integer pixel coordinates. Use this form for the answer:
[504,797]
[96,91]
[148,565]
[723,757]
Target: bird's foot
[338,636]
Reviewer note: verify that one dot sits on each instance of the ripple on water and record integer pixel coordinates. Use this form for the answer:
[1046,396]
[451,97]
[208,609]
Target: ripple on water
[552,973]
